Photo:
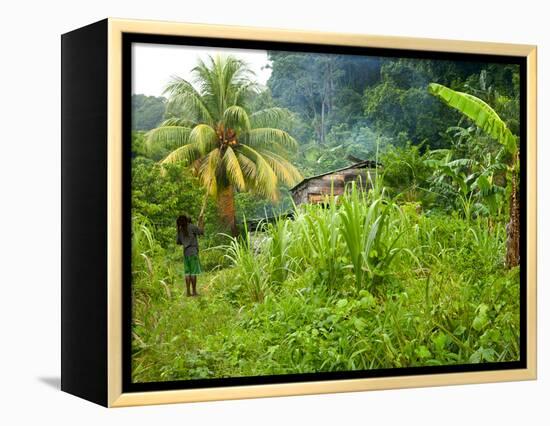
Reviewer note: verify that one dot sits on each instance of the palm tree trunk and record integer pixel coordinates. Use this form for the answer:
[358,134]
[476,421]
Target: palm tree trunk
[226,208]
[513,227]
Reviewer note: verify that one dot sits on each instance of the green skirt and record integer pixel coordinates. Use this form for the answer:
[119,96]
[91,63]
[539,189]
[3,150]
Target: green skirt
[191,265]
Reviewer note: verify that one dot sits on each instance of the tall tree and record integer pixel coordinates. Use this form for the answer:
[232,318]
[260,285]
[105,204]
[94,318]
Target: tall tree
[324,89]
[488,120]
[228,147]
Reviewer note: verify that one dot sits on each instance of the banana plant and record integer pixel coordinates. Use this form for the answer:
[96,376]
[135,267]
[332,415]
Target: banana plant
[471,183]
[485,117]
[453,178]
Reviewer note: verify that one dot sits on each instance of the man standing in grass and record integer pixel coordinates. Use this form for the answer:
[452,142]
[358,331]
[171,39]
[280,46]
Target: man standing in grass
[187,237]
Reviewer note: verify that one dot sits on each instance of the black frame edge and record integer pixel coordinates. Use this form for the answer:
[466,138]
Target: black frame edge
[84,212]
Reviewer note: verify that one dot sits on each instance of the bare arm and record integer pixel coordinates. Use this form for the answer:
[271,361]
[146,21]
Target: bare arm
[199,230]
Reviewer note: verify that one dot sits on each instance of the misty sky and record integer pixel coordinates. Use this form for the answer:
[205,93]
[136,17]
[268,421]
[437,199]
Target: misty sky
[154,64]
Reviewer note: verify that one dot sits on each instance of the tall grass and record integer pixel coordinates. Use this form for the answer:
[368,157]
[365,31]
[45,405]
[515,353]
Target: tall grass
[357,232]
[358,282]
[371,228]
[251,271]
[316,243]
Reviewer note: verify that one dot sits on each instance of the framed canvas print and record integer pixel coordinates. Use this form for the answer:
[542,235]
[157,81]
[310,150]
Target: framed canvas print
[254,212]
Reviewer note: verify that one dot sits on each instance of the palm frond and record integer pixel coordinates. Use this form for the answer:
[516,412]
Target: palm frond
[186,154]
[233,70]
[192,107]
[178,85]
[167,136]
[269,138]
[177,121]
[243,91]
[285,171]
[204,137]
[188,101]
[208,171]
[270,117]
[221,79]
[265,182]
[233,169]
[236,117]
[205,78]
[248,168]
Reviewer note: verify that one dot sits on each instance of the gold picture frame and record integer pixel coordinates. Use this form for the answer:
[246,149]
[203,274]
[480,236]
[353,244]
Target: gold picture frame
[115,396]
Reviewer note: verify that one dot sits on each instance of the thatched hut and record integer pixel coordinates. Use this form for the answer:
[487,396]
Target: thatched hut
[314,189]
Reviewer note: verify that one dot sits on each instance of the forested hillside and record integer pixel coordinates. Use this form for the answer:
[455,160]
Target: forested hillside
[147,111]
[350,104]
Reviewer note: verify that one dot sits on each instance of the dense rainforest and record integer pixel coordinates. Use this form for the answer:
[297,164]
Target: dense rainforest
[418,271]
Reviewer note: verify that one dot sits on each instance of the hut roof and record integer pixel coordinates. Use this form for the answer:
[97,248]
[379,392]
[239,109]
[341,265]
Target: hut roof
[359,165]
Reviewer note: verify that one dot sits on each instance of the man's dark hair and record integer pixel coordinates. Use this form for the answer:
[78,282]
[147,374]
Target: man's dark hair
[182,224]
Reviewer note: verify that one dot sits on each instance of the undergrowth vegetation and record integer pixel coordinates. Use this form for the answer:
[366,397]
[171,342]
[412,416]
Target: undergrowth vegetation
[358,282]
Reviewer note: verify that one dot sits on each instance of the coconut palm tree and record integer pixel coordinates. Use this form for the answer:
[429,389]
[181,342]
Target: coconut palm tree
[488,120]
[229,148]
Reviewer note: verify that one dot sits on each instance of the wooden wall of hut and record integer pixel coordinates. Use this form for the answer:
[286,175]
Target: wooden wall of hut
[315,189]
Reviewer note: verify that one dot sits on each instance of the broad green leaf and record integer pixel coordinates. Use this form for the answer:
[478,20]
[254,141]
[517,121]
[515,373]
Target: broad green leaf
[481,319]
[479,112]
[423,352]
[341,303]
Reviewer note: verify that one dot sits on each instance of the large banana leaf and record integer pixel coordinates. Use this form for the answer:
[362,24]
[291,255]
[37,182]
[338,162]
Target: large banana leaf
[479,112]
